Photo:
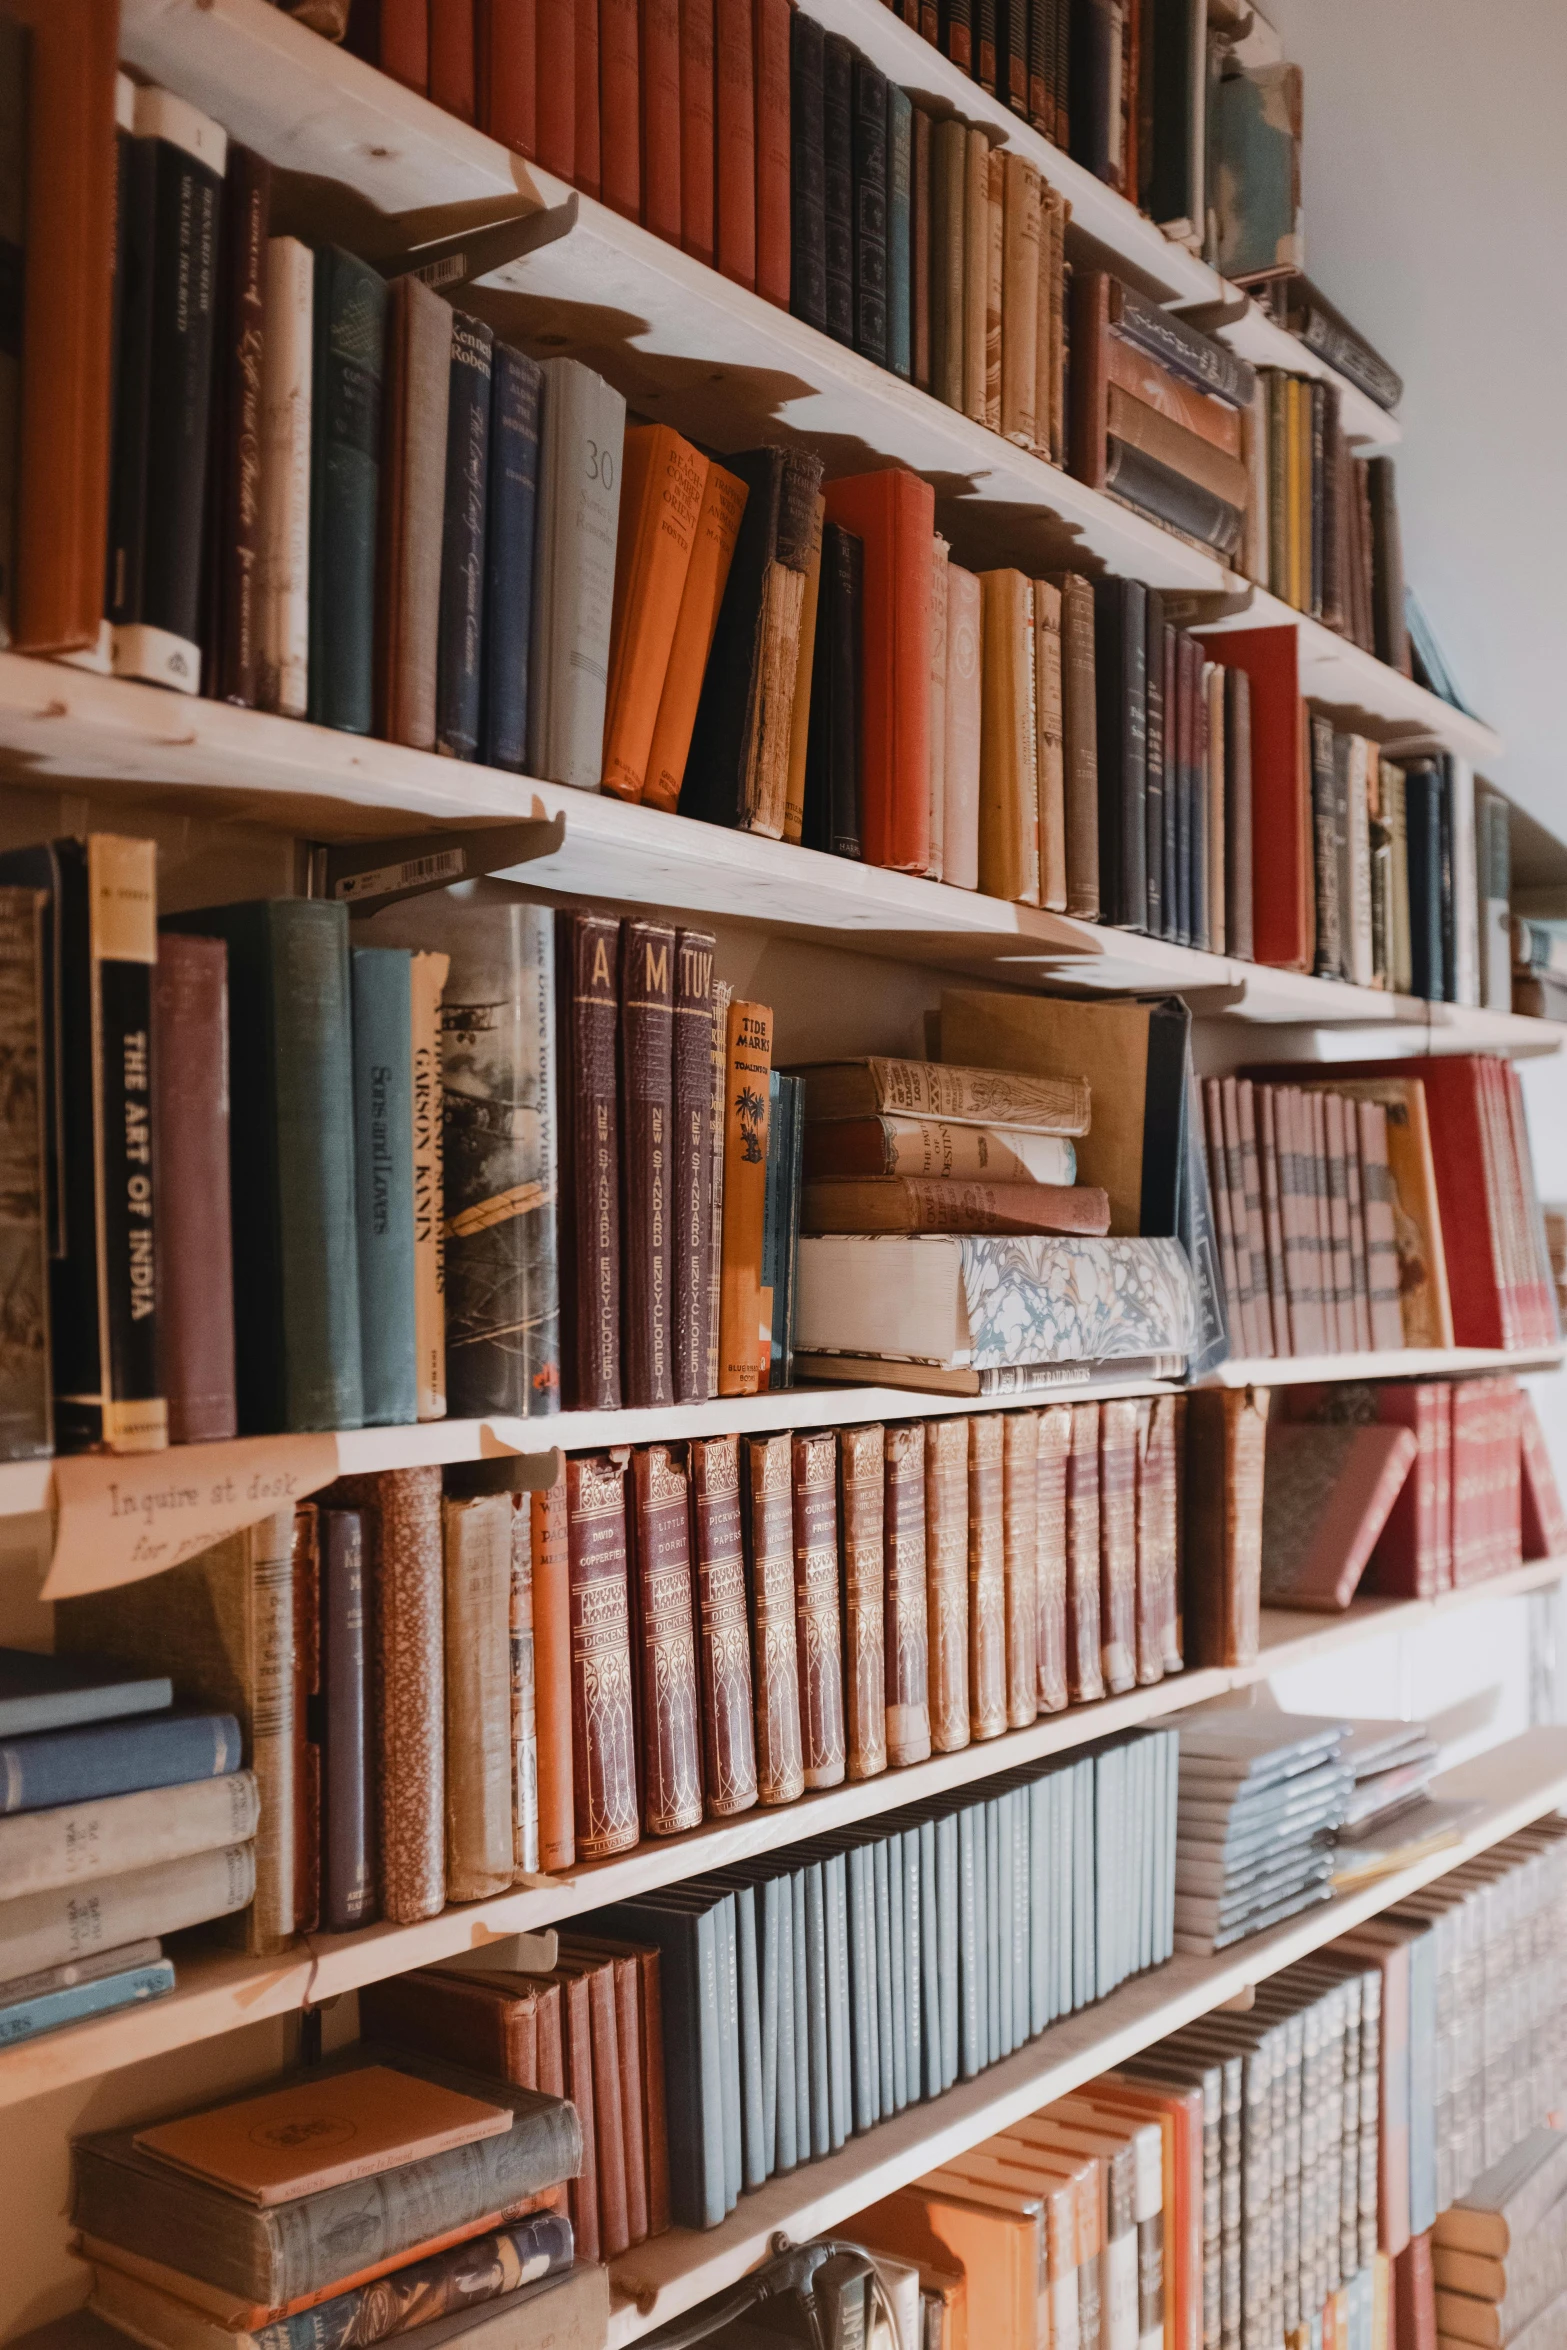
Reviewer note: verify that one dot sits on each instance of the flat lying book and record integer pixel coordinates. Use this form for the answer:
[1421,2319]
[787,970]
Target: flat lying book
[1423,1827]
[941,1203]
[25,2019]
[57,1692]
[879,1088]
[322,2133]
[937,1146]
[1008,1379]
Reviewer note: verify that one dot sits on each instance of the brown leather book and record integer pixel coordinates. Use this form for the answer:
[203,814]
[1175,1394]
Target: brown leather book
[603,1739]
[453,63]
[552,1673]
[1008,772]
[946,1203]
[1153,1446]
[62,471]
[620,113]
[861,1505]
[976,269]
[723,1633]
[734,78]
[1327,1494]
[771,29]
[595,1977]
[1049,757]
[949,173]
[698,160]
[230,646]
[923,127]
[639,2014]
[723,503]
[415,396]
[1414,2296]
[665,1621]
[307,1728]
[1226,1433]
[555,86]
[576,2034]
[775,1652]
[647,1025]
[485,2023]
[402,1509]
[905,1638]
[1084,1662]
[1055,1445]
[1020,1524]
[195,1258]
[660,50]
[692,1193]
[1080,744]
[476,1542]
[1118,1543]
[524,1699]
[621,1965]
[819,1623]
[588,1016]
[947,1581]
[750,1058]
[587,165]
[1020,297]
[987,1586]
[995,272]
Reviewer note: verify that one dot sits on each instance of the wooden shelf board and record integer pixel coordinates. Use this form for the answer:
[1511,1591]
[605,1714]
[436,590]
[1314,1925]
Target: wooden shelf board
[1357,688]
[218,1992]
[659,2280]
[1265,343]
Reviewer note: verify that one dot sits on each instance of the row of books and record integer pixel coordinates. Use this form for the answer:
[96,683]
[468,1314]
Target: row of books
[1322,529]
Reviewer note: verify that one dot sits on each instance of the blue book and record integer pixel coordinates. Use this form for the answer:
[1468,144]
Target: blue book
[50,1692]
[461,644]
[900,273]
[1423,828]
[508,554]
[384,1182]
[115,1758]
[29,2017]
[684,1923]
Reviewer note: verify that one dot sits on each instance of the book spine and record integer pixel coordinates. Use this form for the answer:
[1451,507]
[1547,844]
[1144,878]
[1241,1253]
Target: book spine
[580,449]
[775,1648]
[728,1728]
[734,52]
[347,1876]
[838,185]
[552,1669]
[862,1599]
[692,1212]
[589,1129]
[660,101]
[906,1645]
[603,1738]
[1084,1665]
[1050,1573]
[234,492]
[49,1929]
[671,1707]
[746,1119]
[587,144]
[383,1175]
[947,1580]
[900,166]
[807,180]
[717,1127]
[458,708]
[345,440]
[987,1577]
[416,400]
[26,1410]
[427,1142]
[620,128]
[1080,728]
[1020,1539]
[15,62]
[307,1723]
[1118,1544]
[773,22]
[509,554]
[283,618]
[24,2019]
[647,1021]
[995,259]
[819,1628]
[408,1615]
[67,1846]
[191,1152]
[698,168]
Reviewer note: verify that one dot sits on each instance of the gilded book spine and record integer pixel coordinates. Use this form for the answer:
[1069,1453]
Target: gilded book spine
[477,1544]
[671,1737]
[749,1068]
[588,955]
[1084,1668]
[603,1739]
[775,1657]
[1020,1540]
[1055,1446]
[717,1124]
[728,1727]
[647,1006]
[819,1626]
[552,1672]
[1118,1544]
[946,1581]
[864,1602]
[524,1698]
[26,1418]
[408,1617]
[906,1638]
[428,978]
[693,1159]
[987,1577]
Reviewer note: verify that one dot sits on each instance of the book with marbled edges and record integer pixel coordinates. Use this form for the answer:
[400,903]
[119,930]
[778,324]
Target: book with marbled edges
[775,1656]
[603,1736]
[861,1501]
[666,1653]
[724,1636]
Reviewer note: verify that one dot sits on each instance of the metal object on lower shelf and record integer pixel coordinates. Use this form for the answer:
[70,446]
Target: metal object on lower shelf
[810,2290]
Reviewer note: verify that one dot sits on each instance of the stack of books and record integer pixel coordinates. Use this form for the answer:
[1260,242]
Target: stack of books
[122,1819]
[1392,1820]
[1498,2264]
[374,2194]
[1262,1794]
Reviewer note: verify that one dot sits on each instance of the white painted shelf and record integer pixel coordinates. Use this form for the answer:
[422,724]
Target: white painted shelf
[219,1991]
[657,2281]
[1412,1362]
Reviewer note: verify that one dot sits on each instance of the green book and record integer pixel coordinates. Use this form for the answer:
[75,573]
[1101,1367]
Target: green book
[345,486]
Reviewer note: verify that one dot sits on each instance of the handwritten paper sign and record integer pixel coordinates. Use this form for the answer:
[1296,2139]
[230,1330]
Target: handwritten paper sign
[121,1517]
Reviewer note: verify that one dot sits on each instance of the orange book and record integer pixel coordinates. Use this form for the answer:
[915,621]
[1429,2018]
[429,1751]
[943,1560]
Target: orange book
[620,107]
[746,1119]
[698,165]
[894,513]
[506,40]
[452,59]
[734,45]
[1283,884]
[771,34]
[1179,2114]
[322,2133]
[552,1676]
[956,2223]
[62,521]
[662,482]
[661,127]
[718,526]
[555,86]
[1006,2162]
[586,170]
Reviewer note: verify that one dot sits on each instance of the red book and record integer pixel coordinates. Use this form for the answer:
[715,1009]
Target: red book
[661,121]
[452,75]
[894,514]
[555,86]
[735,84]
[1414,2296]
[1326,1496]
[1544,1521]
[698,161]
[403,49]
[620,107]
[1283,897]
[772,150]
[1413,1555]
[506,39]
[586,174]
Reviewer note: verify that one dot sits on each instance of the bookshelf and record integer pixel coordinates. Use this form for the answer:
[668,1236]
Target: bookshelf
[217,1991]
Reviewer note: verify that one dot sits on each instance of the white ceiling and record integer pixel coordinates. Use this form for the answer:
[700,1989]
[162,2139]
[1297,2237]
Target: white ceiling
[1436,218]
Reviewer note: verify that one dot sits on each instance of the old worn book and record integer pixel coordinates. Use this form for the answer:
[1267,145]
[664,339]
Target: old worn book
[348,360]
[1020,299]
[283,602]
[906,1619]
[191,1145]
[1080,743]
[893,513]
[381,991]
[476,1542]
[1543,1518]
[934,1089]
[1020,1529]
[1225,1439]
[1327,1495]
[579,502]
[66,1923]
[940,556]
[1084,1643]
[459,707]
[935,1147]
[947,1580]
[987,1608]
[347,1819]
[749,1047]
[723,1633]
[830,815]
[233,499]
[1053,1453]
[603,1736]
[775,1642]
[865,1598]
[647,1020]
[1510,2200]
[819,1625]
[587,996]
[936,1203]
[664,1620]
[691,1191]
[1118,1543]
[663,481]
[413,498]
[1160,1441]
[1008,759]
[964,717]
[551,1573]
[75,1845]
[805,670]
[26,1397]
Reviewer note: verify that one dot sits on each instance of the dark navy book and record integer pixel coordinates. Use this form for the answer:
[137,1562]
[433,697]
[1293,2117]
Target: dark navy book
[508,583]
[457,673]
